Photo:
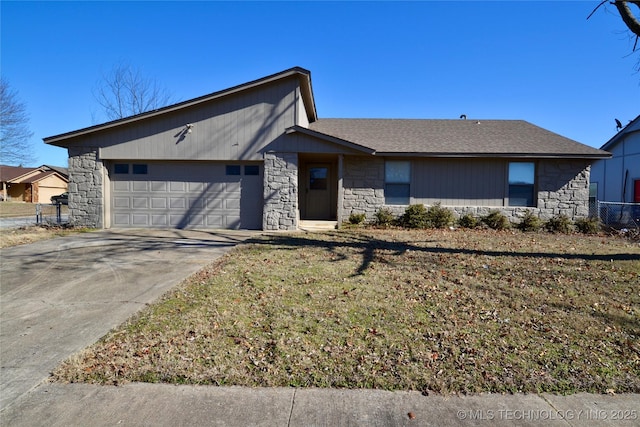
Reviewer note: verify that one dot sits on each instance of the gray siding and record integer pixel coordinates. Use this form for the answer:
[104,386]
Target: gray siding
[300,143]
[236,127]
[301,111]
[459,182]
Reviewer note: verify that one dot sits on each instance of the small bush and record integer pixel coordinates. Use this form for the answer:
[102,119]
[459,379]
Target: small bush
[468,221]
[559,224]
[496,221]
[529,222]
[415,216]
[439,217]
[589,225]
[357,218]
[384,217]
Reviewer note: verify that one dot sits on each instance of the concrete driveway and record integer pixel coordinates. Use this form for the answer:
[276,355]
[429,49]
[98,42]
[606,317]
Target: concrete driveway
[61,295]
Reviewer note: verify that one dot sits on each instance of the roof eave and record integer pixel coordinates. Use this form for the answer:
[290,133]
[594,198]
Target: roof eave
[495,155]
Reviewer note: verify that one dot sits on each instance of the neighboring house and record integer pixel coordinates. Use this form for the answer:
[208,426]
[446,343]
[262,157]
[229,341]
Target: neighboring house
[257,156]
[618,179]
[33,185]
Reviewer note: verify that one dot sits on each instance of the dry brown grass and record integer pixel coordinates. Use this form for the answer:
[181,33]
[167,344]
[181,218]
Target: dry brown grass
[449,311]
[24,235]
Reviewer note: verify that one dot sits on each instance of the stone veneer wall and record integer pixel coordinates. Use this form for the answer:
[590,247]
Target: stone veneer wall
[563,188]
[280,191]
[85,188]
[363,186]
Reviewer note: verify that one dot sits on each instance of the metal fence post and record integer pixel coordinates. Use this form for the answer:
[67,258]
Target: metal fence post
[38,213]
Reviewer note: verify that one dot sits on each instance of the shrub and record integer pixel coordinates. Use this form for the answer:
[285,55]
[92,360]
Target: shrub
[559,224]
[529,222]
[415,216]
[357,218]
[589,225]
[439,217]
[468,221]
[384,217]
[496,221]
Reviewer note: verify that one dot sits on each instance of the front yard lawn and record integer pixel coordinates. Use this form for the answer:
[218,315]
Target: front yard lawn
[458,311]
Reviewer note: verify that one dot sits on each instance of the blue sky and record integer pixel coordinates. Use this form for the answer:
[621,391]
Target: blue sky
[538,61]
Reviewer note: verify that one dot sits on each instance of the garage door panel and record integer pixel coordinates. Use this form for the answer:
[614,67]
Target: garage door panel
[177,203]
[121,202]
[196,203]
[121,186]
[121,220]
[195,187]
[158,203]
[232,204]
[140,202]
[177,186]
[140,186]
[159,186]
[159,220]
[186,195]
[140,219]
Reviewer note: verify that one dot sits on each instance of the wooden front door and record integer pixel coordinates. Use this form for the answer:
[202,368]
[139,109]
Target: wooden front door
[318,191]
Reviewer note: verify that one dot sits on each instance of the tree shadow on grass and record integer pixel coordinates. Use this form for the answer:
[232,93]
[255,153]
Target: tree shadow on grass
[368,245]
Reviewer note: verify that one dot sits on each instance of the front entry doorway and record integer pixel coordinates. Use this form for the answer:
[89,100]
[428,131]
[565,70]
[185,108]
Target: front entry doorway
[320,186]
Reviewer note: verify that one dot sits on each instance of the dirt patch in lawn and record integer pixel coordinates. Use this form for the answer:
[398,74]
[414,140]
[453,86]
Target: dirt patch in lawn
[447,311]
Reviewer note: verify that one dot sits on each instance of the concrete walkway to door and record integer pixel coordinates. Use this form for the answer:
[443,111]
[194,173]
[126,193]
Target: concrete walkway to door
[59,296]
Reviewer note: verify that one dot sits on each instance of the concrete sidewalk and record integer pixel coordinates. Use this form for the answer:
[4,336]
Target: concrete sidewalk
[167,405]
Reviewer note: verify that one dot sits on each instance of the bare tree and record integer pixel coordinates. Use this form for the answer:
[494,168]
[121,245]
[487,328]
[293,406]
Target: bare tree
[125,91]
[630,20]
[16,147]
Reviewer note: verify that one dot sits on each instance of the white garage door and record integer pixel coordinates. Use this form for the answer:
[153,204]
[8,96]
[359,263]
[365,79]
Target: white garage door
[186,195]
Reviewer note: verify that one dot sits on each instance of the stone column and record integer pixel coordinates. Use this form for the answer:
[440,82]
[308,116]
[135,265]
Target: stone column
[86,203]
[280,191]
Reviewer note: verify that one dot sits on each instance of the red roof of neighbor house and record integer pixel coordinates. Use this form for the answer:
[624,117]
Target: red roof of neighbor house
[509,138]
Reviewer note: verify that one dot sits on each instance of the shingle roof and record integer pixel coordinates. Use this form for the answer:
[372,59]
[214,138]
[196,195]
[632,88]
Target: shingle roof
[18,174]
[9,173]
[455,137]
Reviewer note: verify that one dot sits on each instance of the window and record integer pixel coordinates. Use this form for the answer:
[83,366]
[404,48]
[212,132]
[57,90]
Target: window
[252,170]
[397,179]
[233,169]
[521,183]
[318,178]
[139,169]
[121,168]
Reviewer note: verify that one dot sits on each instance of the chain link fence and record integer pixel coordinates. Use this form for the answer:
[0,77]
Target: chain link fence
[619,215]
